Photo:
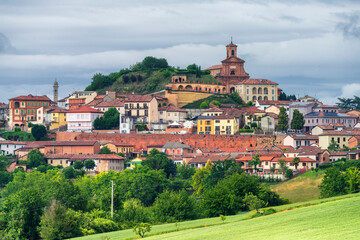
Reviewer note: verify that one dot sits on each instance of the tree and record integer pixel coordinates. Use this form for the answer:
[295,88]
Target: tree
[185,171]
[157,160]
[217,103]
[353,179]
[283,120]
[105,150]
[133,78]
[59,223]
[142,228]
[236,98]
[220,170]
[333,183]
[109,120]
[253,202]
[69,172]
[204,104]
[283,166]
[35,158]
[296,162]
[38,132]
[333,146]
[199,179]
[125,78]
[289,173]
[134,212]
[255,160]
[78,165]
[152,62]
[89,164]
[4,163]
[297,121]
[222,218]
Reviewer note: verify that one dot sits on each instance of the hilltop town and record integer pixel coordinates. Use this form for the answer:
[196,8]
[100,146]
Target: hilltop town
[202,132]
[255,122]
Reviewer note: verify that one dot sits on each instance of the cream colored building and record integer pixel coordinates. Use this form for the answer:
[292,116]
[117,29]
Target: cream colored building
[257,89]
[172,114]
[87,95]
[143,108]
[225,125]
[341,138]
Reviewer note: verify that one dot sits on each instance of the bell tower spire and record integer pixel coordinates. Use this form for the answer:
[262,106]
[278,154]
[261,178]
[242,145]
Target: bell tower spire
[56,91]
[231,50]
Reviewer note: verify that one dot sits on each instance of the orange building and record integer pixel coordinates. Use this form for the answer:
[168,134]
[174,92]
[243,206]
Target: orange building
[22,109]
[72,147]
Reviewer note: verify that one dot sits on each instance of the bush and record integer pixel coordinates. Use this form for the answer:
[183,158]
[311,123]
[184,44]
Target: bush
[289,173]
[246,130]
[101,225]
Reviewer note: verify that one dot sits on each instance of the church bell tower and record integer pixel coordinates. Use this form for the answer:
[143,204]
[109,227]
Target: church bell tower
[56,91]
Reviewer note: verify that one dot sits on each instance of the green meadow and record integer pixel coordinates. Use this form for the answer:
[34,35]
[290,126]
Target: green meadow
[332,218]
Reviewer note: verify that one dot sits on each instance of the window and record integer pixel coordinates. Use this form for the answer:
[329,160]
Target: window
[232,52]
[232,72]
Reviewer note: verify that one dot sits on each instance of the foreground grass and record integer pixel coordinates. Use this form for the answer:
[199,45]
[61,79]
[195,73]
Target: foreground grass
[302,188]
[339,214]
[335,219]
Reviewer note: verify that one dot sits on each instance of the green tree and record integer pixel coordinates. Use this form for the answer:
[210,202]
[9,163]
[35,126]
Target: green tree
[289,173]
[253,202]
[142,228]
[220,170]
[333,183]
[35,158]
[134,212]
[297,121]
[89,164]
[105,150]
[59,223]
[333,146]
[217,103]
[204,104]
[296,162]
[236,98]
[4,163]
[185,171]
[157,160]
[353,179]
[255,161]
[109,120]
[283,166]
[199,179]
[78,165]
[152,62]
[38,132]
[283,120]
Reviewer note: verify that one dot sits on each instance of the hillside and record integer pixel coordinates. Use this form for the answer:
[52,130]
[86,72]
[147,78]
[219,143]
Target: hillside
[302,188]
[222,98]
[331,218]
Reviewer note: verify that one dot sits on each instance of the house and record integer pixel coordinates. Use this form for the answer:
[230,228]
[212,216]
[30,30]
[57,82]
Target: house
[297,140]
[105,105]
[302,107]
[336,156]
[265,104]
[143,108]
[321,117]
[269,122]
[72,147]
[320,129]
[205,125]
[177,149]
[171,114]
[116,147]
[199,160]
[9,147]
[354,142]
[58,118]
[341,138]
[4,112]
[81,118]
[252,115]
[257,89]
[22,109]
[225,125]
[103,162]
[81,98]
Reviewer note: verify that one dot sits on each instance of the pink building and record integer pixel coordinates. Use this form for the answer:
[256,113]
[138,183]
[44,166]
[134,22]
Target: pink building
[81,118]
[298,140]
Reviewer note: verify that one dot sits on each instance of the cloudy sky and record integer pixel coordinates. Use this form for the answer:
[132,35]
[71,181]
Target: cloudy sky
[308,47]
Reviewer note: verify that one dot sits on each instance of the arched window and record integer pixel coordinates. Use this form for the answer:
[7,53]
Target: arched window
[180,87]
[259,90]
[254,98]
[266,91]
[224,90]
[265,98]
[232,72]
[260,98]
[232,52]
[254,90]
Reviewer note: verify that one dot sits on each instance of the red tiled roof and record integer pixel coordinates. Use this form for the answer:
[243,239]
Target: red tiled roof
[223,116]
[275,102]
[338,153]
[135,98]
[31,98]
[325,127]
[251,110]
[94,102]
[75,157]
[214,67]
[345,132]
[259,82]
[205,157]
[262,158]
[100,97]
[83,109]
[338,124]
[302,159]
[171,108]
[304,137]
[328,106]
[70,143]
[13,142]
[3,105]
[114,103]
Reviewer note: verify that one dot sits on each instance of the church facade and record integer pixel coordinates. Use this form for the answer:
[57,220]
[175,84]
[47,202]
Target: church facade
[229,77]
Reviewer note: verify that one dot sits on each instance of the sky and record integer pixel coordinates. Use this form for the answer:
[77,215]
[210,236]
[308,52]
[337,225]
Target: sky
[308,47]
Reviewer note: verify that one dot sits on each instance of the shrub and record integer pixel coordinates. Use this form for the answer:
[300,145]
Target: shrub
[142,228]
[289,173]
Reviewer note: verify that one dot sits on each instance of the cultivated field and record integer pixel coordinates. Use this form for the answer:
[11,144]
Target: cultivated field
[302,188]
[333,218]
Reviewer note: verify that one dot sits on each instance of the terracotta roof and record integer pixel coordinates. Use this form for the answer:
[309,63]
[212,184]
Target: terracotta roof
[114,103]
[231,45]
[328,106]
[214,109]
[135,98]
[302,159]
[100,97]
[325,127]
[3,105]
[338,153]
[223,116]
[305,150]
[213,157]
[273,115]
[278,102]
[251,110]
[171,108]
[94,102]
[262,158]
[31,98]
[258,82]
[304,137]
[83,109]
[345,132]
[71,143]
[75,157]
[338,124]
[13,142]
[214,67]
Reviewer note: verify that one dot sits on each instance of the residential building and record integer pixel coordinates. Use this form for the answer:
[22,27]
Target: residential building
[4,112]
[320,129]
[9,147]
[58,118]
[269,122]
[297,140]
[81,118]
[116,147]
[105,105]
[23,109]
[205,125]
[172,114]
[81,97]
[72,147]
[354,142]
[257,89]
[225,124]
[126,124]
[177,149]
[341,138]
[265,104]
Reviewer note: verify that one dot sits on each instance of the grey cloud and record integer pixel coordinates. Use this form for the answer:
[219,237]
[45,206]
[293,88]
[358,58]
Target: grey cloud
[351,26]
[5,45]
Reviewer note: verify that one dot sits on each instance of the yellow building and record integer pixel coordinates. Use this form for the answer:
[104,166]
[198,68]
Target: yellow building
[225,124]
[341,138]
[120,148]
[205,125]
[134,162]
[58,118]
[257,89]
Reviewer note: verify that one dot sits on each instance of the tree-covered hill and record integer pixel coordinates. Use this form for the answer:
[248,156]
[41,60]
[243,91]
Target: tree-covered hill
[150,75]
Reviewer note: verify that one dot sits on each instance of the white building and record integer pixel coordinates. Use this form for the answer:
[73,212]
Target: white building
[82,118]
[126,124]
[9,147]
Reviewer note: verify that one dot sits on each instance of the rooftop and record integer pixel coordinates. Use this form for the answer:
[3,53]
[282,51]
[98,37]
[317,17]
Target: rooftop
[83,109]
[258,82]
[31,98]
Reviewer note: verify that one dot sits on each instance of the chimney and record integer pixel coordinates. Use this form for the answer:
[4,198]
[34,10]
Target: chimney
[111,94]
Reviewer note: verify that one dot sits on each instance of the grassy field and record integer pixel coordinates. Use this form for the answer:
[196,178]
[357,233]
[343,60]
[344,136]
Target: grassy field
[332,218]
[302,188]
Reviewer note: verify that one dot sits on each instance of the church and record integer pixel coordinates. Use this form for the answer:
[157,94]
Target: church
[229,77]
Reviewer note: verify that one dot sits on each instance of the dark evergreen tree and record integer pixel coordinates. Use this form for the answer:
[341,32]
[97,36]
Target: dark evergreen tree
[297,121]
[283,120]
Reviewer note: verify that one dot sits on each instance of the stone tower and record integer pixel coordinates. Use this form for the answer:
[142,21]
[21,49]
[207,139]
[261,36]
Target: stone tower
[56,91]
[231,50]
